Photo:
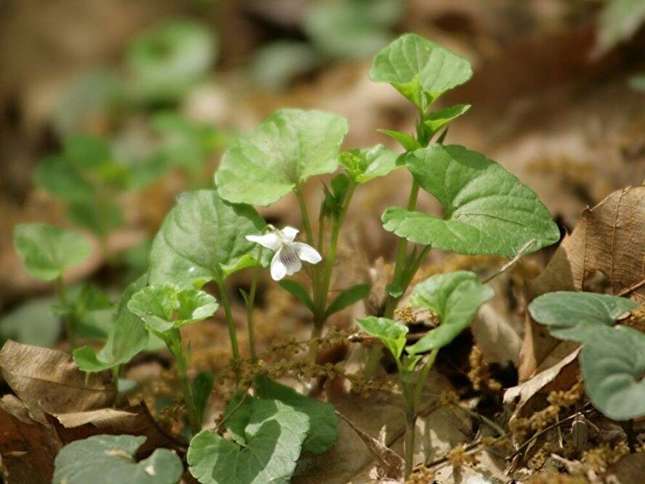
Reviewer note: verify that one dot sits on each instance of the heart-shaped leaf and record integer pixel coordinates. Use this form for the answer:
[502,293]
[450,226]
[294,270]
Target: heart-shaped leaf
[455,298]
[47,251]
[168,307]
[33,323]
[419,69]
[577,315]
[107,459]
[272,442]
[391,333]
[323,424]
[486,209]
[363,165]
[613,368]
[127,337]
[286,149]
[203,238]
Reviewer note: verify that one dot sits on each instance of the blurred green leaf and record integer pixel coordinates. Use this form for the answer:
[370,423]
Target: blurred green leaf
[366,164]
[33,323]
[352,28]
[298,291]
[48,251]
[348,297]
[274,66]
[619,20]
[166,61]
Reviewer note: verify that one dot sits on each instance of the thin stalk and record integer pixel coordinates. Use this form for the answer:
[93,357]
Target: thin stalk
[232,330]
[305,215]
[67,322]
[250,303]
[408,444]
[175,346]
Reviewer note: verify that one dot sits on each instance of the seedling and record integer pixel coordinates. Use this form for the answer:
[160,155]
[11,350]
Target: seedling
[454,299]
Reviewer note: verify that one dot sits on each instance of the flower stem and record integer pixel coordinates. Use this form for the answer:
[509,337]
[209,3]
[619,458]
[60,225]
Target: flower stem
[250,303]
[232,330]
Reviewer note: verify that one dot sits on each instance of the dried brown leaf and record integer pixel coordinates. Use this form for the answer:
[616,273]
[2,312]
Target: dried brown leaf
[607,239]
[49,380]
[27,447]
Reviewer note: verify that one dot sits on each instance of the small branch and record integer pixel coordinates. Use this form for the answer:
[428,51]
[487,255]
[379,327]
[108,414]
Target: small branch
[632,288]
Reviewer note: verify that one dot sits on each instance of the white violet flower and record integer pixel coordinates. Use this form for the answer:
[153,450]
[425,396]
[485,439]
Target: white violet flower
[288,253]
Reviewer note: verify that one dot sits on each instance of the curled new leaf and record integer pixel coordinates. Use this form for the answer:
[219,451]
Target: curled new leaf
[391,333]
[166,307]
[578,315]
[47,251]
[364,165]
[203,238]
[486,209]
[286,149]
[419,69]
[455,298]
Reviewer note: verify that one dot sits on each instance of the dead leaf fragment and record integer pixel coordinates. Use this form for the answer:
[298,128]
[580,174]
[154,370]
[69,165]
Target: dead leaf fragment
[49,380]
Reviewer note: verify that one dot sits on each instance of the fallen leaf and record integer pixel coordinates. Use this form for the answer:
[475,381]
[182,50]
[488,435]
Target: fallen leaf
[608,239]
[49,380]
[495,336]
[27,447]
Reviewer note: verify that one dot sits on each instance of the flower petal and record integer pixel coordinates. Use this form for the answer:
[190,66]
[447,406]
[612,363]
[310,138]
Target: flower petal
[270,241]
[306,252]
[278,269]
[289,257]
[289,233]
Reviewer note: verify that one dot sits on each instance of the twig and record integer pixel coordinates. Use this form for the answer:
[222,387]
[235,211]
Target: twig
[537,435]
[521,253]
[500,431]
[632,288]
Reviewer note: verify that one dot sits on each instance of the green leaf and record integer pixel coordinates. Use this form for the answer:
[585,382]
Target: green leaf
[363,165]
[107,459]
[32,323]
[202,388]
[86,151]
[203,238]
[273,439]
[406,140]
[348,297]
[99,215]
[577,315]
[487,210]
[419,69]
[57,177]
[275,65]
[89,310]
[619,21]
[438,119]
[166,61]
[285,150]
[298,291]
[47,251]
[167,307]
[352,28]
[391,333]
[613,365]
[322,425]
[455,298]
[127,337]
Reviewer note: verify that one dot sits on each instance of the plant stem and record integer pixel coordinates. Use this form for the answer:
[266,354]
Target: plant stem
[305,215]
[250,303]
[174,343]
[232,330]
[67,322]
[408,445]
